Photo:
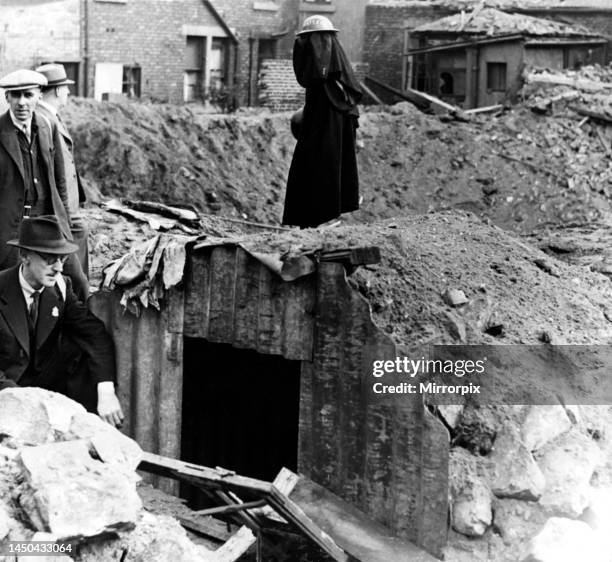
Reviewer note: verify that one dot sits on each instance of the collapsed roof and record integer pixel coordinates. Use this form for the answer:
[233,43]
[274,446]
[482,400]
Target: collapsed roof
[492,22]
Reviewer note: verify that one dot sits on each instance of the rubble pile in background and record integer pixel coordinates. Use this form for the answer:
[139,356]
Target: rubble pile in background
[517,169]
[66,476]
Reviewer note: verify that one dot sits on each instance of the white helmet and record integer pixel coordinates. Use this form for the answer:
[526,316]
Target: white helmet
[316,23]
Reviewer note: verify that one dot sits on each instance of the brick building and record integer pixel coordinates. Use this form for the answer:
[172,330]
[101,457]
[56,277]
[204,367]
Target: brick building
[167,50]
[265,29]
[386,21]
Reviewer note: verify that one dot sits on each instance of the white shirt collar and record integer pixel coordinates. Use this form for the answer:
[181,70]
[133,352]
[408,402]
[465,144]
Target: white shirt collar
[25,126]
[50,108]
[26,288]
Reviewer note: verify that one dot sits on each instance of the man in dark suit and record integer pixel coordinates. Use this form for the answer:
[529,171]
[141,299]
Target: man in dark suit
[32,176]
[39,311]
[54,98]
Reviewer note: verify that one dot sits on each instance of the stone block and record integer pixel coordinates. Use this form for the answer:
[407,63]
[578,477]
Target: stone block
[70,494]
[513,472]
[568,464]
[110,445]
[544,424]
[35,415]
[470,497]
[565,539]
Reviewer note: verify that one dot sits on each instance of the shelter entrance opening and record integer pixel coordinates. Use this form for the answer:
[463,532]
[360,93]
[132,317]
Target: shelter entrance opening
[240,410]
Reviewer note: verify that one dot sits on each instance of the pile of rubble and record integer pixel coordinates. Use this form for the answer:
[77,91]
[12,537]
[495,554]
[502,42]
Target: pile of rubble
[533,483]
[511,168]
[68,478]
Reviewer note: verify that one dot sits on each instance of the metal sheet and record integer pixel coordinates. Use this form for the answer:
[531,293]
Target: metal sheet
[390,459]
[149,353]
[230,297]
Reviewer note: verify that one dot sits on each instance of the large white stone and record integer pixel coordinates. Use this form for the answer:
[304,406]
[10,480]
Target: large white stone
[109,444]
[5,522]
[70,494]
[35,415]
[543,424]
[568,464]
[566,540]
[513,472]
[470,497]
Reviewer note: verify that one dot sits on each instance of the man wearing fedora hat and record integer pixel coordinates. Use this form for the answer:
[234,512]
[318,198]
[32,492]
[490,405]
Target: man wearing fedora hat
[54,98]
[32,174]
[39,313]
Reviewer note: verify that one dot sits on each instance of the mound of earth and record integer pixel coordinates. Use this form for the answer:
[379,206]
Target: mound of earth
[517,169]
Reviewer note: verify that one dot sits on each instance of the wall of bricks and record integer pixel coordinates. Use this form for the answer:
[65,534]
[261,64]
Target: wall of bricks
[33,32]
[384,39]
[280,91]
[148,34]
[278,88]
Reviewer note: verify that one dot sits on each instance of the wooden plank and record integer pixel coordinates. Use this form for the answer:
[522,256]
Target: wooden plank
[201,476]
[265,319]
[487,109]
[170,382]
[222,295]
[197,294]
[592,114]
[225,509]
[371,93]
[297,318]
[235,547]
[296,515]
[206,527]
[353,256]
[353,531]
[247,300]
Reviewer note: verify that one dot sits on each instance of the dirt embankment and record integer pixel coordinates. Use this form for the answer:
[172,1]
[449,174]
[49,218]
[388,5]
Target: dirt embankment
[517,169]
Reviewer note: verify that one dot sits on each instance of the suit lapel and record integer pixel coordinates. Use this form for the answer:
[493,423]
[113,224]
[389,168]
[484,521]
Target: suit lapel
[44,136]
[8,139]
[13,308]
[63,131]
[48,314]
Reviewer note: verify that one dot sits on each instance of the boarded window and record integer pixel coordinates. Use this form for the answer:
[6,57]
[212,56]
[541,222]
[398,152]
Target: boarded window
[496,76]
[194,68]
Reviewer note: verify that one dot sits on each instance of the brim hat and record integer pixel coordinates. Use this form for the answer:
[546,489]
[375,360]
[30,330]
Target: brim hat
[314,24]
[42,234]
[55,75]
[22,80]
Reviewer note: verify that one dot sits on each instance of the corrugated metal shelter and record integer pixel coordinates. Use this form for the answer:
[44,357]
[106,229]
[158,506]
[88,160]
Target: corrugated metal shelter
[389,459]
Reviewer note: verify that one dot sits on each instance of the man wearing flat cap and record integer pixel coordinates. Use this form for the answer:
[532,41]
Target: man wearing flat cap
[54,98]
[32,176]
[39,311]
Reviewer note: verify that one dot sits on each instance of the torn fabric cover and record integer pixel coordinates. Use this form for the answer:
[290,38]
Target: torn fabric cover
[151,268]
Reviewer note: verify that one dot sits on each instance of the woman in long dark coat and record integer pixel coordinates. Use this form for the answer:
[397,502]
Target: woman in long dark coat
[323,180]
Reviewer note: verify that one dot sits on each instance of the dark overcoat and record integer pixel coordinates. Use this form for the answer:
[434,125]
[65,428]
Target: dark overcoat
[12,186]
[323,179]
[63,322]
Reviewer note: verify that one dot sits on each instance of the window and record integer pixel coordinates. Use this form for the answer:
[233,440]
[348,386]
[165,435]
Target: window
[266,50]
[496,76]
[130,83]
[194,68]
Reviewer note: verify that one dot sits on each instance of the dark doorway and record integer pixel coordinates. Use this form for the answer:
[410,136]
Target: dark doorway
[240,411]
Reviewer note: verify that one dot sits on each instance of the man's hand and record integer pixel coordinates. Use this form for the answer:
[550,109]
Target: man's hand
[109,408]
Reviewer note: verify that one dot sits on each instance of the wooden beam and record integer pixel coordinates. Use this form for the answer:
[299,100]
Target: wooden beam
[201,476]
